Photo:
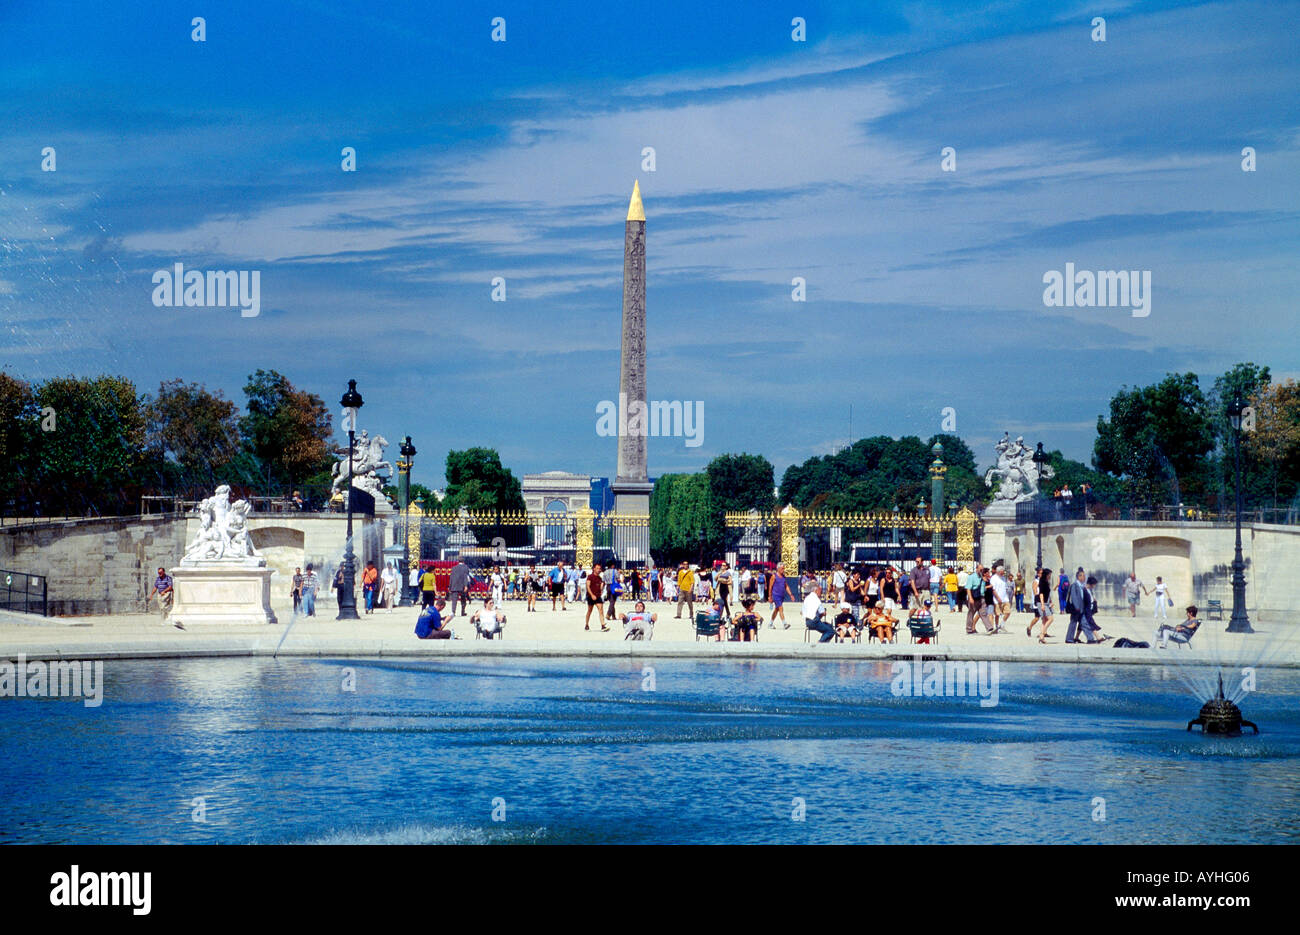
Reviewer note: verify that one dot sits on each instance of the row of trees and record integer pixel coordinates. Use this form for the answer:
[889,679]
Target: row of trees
[684,505]
[1172,441]
[96,445]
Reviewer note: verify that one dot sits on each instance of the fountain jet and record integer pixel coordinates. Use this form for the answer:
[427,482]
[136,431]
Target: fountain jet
[1221,716]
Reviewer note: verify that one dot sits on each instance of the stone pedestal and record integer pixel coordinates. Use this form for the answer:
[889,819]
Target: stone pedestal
[994,542]
[220,593]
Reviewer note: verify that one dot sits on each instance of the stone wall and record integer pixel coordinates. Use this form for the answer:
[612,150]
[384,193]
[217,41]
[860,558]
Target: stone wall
[96,566]
[107,566]
[1195,559]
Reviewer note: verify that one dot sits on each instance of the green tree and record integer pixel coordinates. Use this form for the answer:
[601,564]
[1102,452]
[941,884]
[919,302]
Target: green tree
[193,430]
[1157,436]
[19,442]
[1275,439]
[680,508]
[477,480]
[287,429]
[94,457]
[740,482]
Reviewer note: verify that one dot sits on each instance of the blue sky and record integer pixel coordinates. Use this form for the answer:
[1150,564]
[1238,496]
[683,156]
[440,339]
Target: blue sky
[774,159]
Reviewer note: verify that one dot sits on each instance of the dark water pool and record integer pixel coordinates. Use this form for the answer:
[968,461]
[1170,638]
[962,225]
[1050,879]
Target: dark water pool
[577,751]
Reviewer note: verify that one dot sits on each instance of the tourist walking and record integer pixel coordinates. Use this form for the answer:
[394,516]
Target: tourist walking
[1020,591]
[571,584]
[498,586]
[1163,599]
[413,582]
[295,589]
[920,581]
[558,580]
[340,585]
[724,589]
[1076,600]
[1042,604]
[163,588]
[1133,590]
[685,591]
[595,598]
[615,589]
[780,594]
[1063,588]
[370,585]
[855,595]
[428,587]
[310,585]
[388,586]
[458,588]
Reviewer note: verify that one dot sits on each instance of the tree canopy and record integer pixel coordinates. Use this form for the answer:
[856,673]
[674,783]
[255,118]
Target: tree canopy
[477,480]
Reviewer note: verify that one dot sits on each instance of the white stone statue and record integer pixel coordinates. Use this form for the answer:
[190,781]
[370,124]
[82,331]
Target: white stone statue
[1016,474]
[223,532]
[367,461]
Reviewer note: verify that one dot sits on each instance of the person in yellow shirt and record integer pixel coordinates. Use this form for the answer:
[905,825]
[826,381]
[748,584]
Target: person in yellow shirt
[950,588]
[685,590]
[428,587]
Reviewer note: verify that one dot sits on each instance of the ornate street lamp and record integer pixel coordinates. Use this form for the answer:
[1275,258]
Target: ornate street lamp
[1040,458]
[350,402]
[1239,622]
[404,464]
[895,537]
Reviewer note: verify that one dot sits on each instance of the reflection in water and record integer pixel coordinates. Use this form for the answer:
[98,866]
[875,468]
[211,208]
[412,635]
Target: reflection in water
[579,752]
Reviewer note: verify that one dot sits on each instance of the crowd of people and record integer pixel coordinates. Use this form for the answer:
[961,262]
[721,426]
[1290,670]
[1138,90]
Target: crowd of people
[844,603]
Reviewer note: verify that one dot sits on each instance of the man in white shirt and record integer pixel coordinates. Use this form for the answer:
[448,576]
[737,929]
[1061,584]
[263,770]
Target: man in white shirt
[413,581]
[1001,598]
[838,580]
[814,614]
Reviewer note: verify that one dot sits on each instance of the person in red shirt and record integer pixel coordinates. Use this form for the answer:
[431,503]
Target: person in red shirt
[595,593]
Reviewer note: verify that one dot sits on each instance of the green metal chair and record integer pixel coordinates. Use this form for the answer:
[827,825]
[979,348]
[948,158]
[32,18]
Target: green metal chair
[707,627]
[923,629]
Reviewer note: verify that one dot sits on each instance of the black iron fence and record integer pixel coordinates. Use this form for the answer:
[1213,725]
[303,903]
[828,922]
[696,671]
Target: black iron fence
[24,592]
[1054,510]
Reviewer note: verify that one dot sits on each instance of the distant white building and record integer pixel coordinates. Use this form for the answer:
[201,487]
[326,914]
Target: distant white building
[559,494]
[556,492]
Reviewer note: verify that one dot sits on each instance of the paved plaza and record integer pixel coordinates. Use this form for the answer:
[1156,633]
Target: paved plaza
[560,633]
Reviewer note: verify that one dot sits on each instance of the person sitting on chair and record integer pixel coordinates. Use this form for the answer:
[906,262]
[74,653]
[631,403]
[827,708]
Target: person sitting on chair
[717,615]
[747,622]
[846,628]
[882,624]
[1182,633]
[488,620]
[922,615]
[639,625]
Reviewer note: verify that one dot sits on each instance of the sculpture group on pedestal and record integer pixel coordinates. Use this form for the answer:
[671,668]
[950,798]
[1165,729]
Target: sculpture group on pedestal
[223,532]
[1016,474]
[367,461]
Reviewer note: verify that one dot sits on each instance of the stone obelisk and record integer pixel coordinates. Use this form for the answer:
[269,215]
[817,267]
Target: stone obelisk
[631,485]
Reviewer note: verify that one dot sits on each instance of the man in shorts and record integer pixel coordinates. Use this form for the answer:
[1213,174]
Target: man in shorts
[558,580]
[1133,591]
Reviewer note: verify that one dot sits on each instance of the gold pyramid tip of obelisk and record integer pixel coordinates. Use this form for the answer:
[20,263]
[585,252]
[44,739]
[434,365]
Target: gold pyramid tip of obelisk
[635,210]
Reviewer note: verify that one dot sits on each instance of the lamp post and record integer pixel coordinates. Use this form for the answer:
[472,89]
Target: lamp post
[404,464]
[1040,458]
[895,536]
[350,402]
[701,549]
[1239,622]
